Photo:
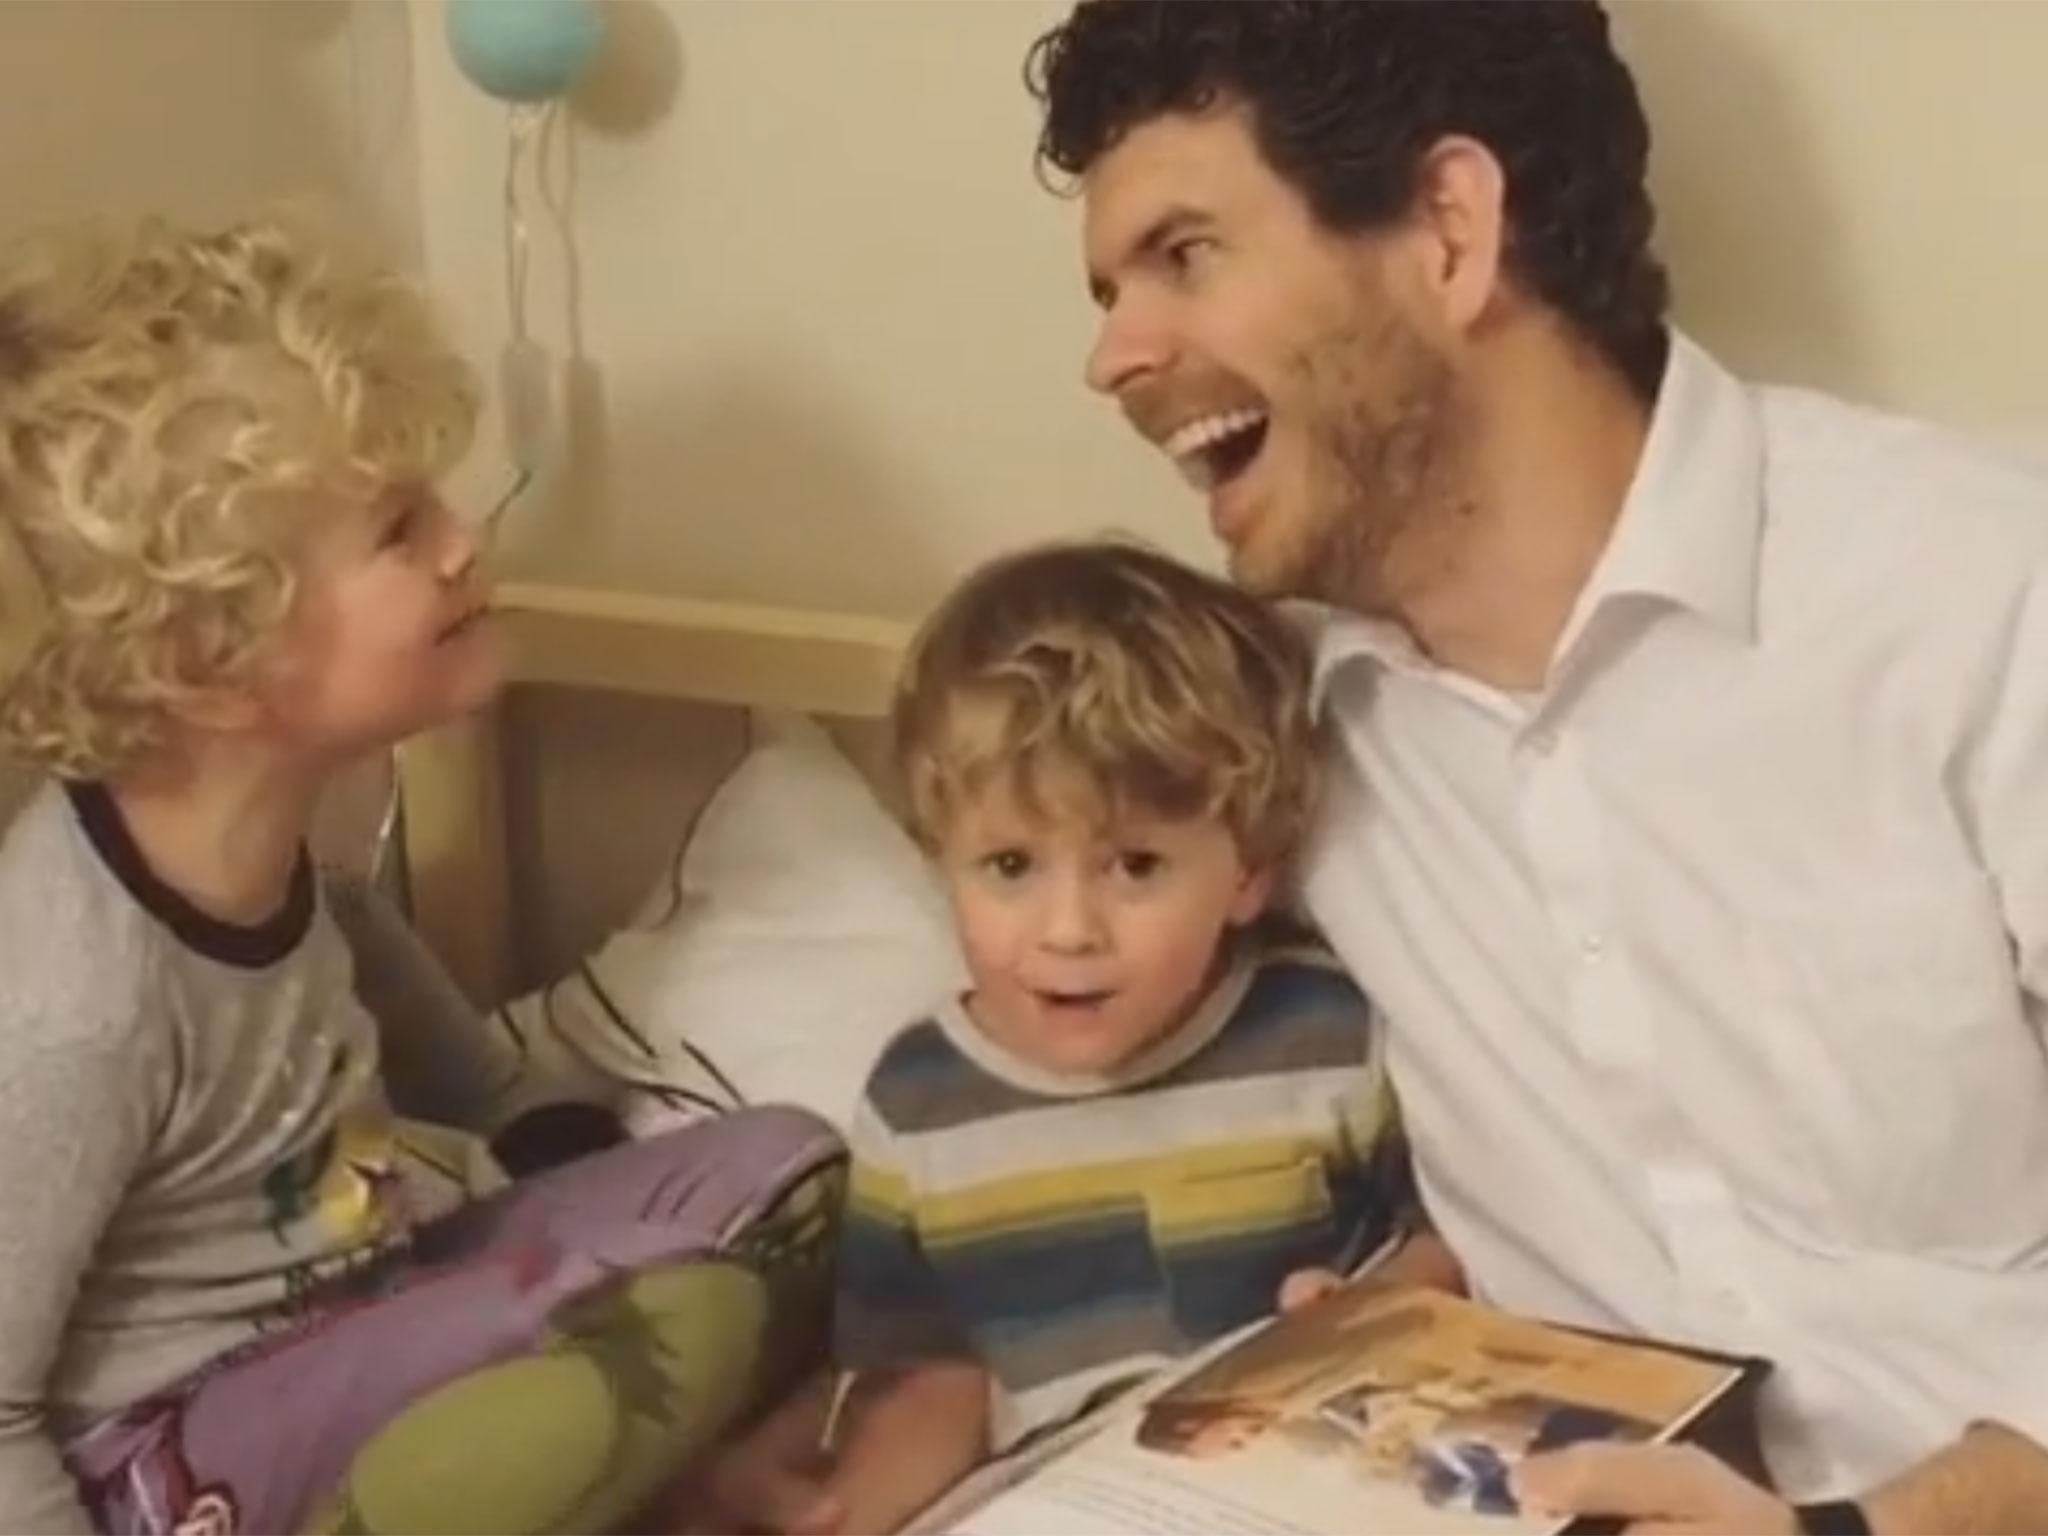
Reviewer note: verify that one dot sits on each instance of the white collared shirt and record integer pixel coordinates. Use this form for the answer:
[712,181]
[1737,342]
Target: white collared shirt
[1716,972]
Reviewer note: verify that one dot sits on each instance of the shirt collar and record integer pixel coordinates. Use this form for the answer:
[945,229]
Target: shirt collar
[1340,637]
[1688,529]
[1690,525]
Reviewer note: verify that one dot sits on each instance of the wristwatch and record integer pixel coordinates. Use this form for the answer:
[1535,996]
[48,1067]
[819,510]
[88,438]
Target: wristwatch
[1832,1517]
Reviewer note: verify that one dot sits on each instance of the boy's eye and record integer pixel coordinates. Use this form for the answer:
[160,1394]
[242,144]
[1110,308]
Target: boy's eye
[1139,863]
[1008,863]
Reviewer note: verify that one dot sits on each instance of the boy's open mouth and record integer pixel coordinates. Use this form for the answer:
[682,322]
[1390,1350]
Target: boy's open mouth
[1074,1001]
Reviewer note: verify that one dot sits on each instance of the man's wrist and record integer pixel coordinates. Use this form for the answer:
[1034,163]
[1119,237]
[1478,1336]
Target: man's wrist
[1832,1517]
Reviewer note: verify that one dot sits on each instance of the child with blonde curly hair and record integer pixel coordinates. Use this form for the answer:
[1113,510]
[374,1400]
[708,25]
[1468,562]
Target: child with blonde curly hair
[1153,1109]
[236,1290]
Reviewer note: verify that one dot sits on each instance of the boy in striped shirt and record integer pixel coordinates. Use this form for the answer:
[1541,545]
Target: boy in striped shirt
[1146,1114]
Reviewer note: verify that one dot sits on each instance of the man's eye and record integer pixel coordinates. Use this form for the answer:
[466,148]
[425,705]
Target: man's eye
[1190,252]
[1139,863]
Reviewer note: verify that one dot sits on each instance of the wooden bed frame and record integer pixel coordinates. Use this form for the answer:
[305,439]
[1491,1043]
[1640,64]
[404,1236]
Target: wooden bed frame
[451,780]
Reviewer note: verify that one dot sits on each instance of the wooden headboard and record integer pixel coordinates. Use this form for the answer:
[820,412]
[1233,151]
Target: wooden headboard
[452,780]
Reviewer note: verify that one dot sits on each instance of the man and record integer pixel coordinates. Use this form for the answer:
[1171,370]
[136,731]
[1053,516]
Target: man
[1685,737]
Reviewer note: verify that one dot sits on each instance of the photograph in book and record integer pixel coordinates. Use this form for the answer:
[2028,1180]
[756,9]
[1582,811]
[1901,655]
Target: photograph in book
[1377,1408]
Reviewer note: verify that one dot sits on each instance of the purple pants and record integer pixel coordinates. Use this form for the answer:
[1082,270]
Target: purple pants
[268,1437]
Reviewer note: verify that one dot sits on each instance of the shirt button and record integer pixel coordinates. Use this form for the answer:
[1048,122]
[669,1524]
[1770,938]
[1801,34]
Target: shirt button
[1591,947]
[1542,743]
[1732,1301]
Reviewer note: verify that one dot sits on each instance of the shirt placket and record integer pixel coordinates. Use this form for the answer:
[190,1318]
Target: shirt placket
[1611,1026]
[1561,833]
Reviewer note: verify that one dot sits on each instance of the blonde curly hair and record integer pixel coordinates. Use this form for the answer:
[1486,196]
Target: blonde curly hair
[1106,665]
[166,398]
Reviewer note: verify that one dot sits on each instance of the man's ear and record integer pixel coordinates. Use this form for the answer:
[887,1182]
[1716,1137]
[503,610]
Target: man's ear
[1459,217]
[1254,891]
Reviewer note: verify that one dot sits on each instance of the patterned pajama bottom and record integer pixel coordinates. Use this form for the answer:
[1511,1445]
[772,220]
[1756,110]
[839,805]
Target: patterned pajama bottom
[542,1360]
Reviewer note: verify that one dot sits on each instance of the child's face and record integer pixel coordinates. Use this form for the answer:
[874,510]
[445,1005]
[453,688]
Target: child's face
[1227,1434]
[390,631]
[1085,944]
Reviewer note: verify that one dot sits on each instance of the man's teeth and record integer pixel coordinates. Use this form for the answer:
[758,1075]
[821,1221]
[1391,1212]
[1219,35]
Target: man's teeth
[1206,431]
[1193,446]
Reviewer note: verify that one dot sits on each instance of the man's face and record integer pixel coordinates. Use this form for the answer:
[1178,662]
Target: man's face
[1277,363]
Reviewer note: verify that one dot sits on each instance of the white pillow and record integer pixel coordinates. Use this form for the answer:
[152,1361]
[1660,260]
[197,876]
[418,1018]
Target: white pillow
[799,932]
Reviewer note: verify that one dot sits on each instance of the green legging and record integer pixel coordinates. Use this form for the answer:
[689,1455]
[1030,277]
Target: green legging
[547,1360]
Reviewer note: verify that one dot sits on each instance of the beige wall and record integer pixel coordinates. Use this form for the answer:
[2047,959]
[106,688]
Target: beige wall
[1853,197]
[838,328]
[206,108]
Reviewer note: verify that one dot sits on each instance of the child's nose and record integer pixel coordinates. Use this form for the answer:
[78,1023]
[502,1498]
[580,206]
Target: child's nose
[1073,916]
[460,545]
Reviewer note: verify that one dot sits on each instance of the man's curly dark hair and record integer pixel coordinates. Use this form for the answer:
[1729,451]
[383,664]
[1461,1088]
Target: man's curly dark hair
[1345,98]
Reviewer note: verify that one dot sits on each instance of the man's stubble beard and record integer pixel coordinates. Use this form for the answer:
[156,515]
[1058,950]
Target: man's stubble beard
[1384,480]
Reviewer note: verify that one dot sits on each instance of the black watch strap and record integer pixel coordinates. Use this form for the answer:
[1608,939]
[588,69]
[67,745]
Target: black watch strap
[1832,1517]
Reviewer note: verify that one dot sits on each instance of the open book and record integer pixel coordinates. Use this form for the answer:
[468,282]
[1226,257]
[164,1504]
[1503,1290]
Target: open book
[1378,1408]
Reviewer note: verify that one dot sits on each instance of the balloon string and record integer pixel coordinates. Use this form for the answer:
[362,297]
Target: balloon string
[554,176]
[525,125]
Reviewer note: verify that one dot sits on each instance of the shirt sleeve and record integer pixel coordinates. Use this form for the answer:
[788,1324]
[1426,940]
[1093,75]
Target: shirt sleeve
[2012,769]
[891,1309]
[77,1126]
[440,1059]
[2009,1338]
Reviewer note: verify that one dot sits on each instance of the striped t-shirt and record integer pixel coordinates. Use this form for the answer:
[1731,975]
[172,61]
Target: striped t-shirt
[1065,1232]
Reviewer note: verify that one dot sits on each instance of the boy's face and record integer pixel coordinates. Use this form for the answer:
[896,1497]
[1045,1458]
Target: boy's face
[1229,1433]
[1085,944]
[390,632]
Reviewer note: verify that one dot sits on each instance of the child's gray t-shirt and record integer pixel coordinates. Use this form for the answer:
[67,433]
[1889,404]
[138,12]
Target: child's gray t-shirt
[197,1140]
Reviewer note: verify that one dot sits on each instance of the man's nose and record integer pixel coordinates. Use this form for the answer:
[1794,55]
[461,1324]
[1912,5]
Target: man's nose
[1132,342]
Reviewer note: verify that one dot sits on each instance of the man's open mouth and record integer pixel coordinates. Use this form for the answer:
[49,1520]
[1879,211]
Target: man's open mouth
[1215,449]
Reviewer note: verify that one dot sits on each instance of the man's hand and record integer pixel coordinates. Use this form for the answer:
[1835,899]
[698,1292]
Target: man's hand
[1660,1490]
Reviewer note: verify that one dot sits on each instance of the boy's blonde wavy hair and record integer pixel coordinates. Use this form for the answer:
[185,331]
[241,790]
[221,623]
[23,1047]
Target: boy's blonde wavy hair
[166,398]
[1116,670]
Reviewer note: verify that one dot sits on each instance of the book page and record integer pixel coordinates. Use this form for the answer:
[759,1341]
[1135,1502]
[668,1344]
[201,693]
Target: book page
[1378,1408]
[1105,1492]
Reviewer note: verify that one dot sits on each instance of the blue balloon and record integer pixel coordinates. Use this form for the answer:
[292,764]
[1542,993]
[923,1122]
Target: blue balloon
[523,50]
